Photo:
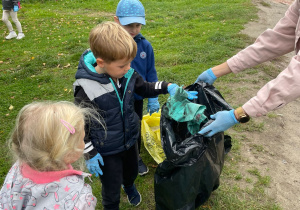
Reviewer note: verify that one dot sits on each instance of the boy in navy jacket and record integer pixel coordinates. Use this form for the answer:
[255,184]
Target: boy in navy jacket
[106,81]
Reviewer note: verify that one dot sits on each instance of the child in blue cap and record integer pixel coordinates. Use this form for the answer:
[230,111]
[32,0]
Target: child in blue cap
[131,15]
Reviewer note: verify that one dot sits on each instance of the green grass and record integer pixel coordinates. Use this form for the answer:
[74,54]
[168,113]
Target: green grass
[188,37]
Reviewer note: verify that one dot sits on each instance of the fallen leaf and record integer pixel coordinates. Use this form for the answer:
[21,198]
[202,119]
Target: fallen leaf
[68,65]
[1,61]
[11,107]
[153,166]
[7,114]
[44,64]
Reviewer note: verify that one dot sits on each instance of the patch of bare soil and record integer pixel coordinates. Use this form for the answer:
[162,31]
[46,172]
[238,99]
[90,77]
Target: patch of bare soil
[279,139]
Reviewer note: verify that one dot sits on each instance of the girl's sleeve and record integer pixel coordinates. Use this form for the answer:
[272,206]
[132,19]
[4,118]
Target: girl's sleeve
[271,43]
[87,200]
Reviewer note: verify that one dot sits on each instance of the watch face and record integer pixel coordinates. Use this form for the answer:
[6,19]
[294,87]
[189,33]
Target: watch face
[244,119]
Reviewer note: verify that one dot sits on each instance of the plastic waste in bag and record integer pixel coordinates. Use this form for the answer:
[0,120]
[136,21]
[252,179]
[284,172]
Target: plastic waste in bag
[150,132]
[193,163]
[180,109]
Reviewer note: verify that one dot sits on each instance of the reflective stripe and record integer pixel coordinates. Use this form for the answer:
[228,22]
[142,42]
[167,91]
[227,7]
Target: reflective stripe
[87,144]
[88,149]
[158,85]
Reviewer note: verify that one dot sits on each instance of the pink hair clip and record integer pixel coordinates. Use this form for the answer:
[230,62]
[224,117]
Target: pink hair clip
[70,128]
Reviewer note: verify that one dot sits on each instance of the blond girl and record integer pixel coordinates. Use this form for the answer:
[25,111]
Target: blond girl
[47,139]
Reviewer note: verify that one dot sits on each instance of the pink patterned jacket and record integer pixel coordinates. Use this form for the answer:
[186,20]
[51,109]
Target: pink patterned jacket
[25,188]
[282,39]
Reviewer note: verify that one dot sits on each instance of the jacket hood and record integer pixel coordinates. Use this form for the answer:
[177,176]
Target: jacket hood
[86,69]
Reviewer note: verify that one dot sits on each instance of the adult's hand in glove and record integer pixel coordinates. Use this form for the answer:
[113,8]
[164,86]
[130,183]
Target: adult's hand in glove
[222,121]
[93,165]
[207,76]
[153,105]
[16,8]
[173,87]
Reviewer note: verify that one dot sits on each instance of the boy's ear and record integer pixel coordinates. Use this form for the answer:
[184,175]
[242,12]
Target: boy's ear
[116,19]
[100,62]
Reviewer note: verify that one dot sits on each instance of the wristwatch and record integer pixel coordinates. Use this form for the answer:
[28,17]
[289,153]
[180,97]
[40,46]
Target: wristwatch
[243,117]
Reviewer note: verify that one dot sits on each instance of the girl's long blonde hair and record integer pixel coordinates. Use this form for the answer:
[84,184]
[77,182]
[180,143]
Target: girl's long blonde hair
[41,140]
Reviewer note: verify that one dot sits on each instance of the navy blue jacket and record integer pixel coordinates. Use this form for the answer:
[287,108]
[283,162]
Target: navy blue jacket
[100,91]
[144,62]
[9,4]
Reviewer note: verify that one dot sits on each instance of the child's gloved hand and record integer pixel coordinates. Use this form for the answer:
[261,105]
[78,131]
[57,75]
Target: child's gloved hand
[173,87]
[153,105]
[93,165]
[16,8]
[222,121]
[207,76]
[192,94]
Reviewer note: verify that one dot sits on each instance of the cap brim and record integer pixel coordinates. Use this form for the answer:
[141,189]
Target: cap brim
[128,20]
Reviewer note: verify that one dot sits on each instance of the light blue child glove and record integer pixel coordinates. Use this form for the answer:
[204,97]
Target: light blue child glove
[223,121]
[93,165]
[153,105]
[173,87]
[207,76]
[16,8]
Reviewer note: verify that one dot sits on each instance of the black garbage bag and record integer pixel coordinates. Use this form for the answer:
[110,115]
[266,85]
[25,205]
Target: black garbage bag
[193,163]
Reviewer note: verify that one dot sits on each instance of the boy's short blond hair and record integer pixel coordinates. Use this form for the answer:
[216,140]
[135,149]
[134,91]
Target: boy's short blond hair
[110,42]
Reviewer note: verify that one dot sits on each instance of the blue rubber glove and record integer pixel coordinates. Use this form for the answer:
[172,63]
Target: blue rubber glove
[173,87]
[16,8]
[153,105]
[223,121]
[207,76]
[93,165]
[192,94]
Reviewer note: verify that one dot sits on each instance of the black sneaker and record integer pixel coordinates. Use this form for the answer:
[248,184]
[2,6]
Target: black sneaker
[143,169]
[133,196]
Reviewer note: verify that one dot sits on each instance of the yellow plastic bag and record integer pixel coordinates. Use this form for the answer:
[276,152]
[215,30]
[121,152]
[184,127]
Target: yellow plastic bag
[151,136]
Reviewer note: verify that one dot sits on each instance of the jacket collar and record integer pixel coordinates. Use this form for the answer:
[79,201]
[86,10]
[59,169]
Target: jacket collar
[41,177]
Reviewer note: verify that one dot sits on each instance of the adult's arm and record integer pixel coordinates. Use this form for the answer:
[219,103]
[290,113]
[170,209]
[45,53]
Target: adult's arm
[278,92]
[271,43]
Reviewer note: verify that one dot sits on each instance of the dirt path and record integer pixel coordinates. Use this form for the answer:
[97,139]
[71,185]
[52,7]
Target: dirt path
[280,141]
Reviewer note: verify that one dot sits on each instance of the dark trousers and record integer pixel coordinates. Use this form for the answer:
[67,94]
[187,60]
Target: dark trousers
[138,108]
[118,169]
